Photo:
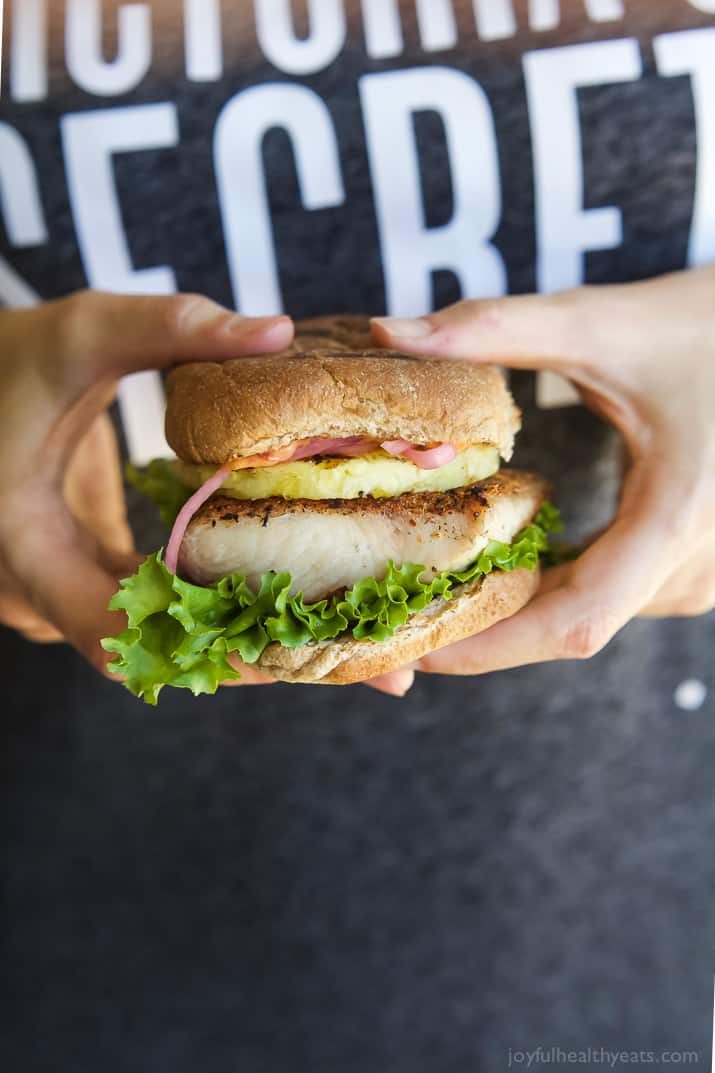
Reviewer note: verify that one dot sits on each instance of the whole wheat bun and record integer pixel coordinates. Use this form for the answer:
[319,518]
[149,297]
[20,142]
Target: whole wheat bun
[333,382]
[471,609]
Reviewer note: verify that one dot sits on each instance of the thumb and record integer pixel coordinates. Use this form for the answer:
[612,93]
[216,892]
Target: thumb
[65,583]
[523,332]
[104,334]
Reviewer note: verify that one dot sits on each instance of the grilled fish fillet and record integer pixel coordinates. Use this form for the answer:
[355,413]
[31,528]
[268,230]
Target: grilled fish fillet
[330,544]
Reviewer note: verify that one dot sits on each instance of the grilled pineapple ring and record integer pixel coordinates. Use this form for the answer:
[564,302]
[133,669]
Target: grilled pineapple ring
[376,474]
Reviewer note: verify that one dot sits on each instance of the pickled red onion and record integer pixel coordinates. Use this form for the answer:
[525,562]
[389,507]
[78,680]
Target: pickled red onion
[353,446]
[396,447]
[192,504]
[422,457]
[268,458]
[346,445]
[365,447]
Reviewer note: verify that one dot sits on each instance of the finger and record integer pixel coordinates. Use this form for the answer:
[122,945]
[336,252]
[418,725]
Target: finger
[118,564]
[595,597]
[558,332]
[553,578]
[53,564]
[249,675]
[74,597]
[523,331]
[250,678]
[17,614]
[394,683]
[689,591]
[119,334]
[44,634]
[94,489]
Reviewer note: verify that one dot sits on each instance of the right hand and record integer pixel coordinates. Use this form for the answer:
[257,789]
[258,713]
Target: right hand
[643,358]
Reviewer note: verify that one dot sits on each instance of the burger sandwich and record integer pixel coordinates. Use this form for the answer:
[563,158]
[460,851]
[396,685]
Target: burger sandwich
[337,511]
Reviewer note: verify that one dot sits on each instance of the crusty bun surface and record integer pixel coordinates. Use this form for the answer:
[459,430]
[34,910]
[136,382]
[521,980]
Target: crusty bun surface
[471,609]
[333,382]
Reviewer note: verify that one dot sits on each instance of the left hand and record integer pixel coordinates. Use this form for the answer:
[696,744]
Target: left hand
[643,357]
[64,537]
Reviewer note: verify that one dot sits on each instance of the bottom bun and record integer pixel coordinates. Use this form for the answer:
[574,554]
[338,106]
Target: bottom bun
[471,609]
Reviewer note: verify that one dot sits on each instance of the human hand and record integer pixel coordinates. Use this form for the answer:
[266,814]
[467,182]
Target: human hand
[643,357]
[64,537]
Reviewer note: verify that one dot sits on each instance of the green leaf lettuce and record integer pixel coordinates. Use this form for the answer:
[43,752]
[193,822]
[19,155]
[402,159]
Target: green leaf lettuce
[158,482]
[180,634]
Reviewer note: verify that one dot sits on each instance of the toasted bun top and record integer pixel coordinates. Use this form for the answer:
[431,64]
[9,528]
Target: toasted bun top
[333,382]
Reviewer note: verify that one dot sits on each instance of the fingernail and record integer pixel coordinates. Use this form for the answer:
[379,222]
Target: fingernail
[403,681]
[414,328]
[247,325]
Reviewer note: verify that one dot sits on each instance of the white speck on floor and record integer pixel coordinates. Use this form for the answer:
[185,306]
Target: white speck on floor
[690,694]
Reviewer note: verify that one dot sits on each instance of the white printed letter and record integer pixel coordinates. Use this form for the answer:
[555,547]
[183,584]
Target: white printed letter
[495,19]
[693,52]
[438,29]
[564,230]
[604,10]
[89,140]
[240,178]
[19,191]
[28,50]
[383,31]
[83,47]
[202,40]
[411,252]
[546,14]
[276,35]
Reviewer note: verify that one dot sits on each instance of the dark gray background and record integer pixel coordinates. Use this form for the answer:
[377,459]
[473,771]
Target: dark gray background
[331,881]
[314,879]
